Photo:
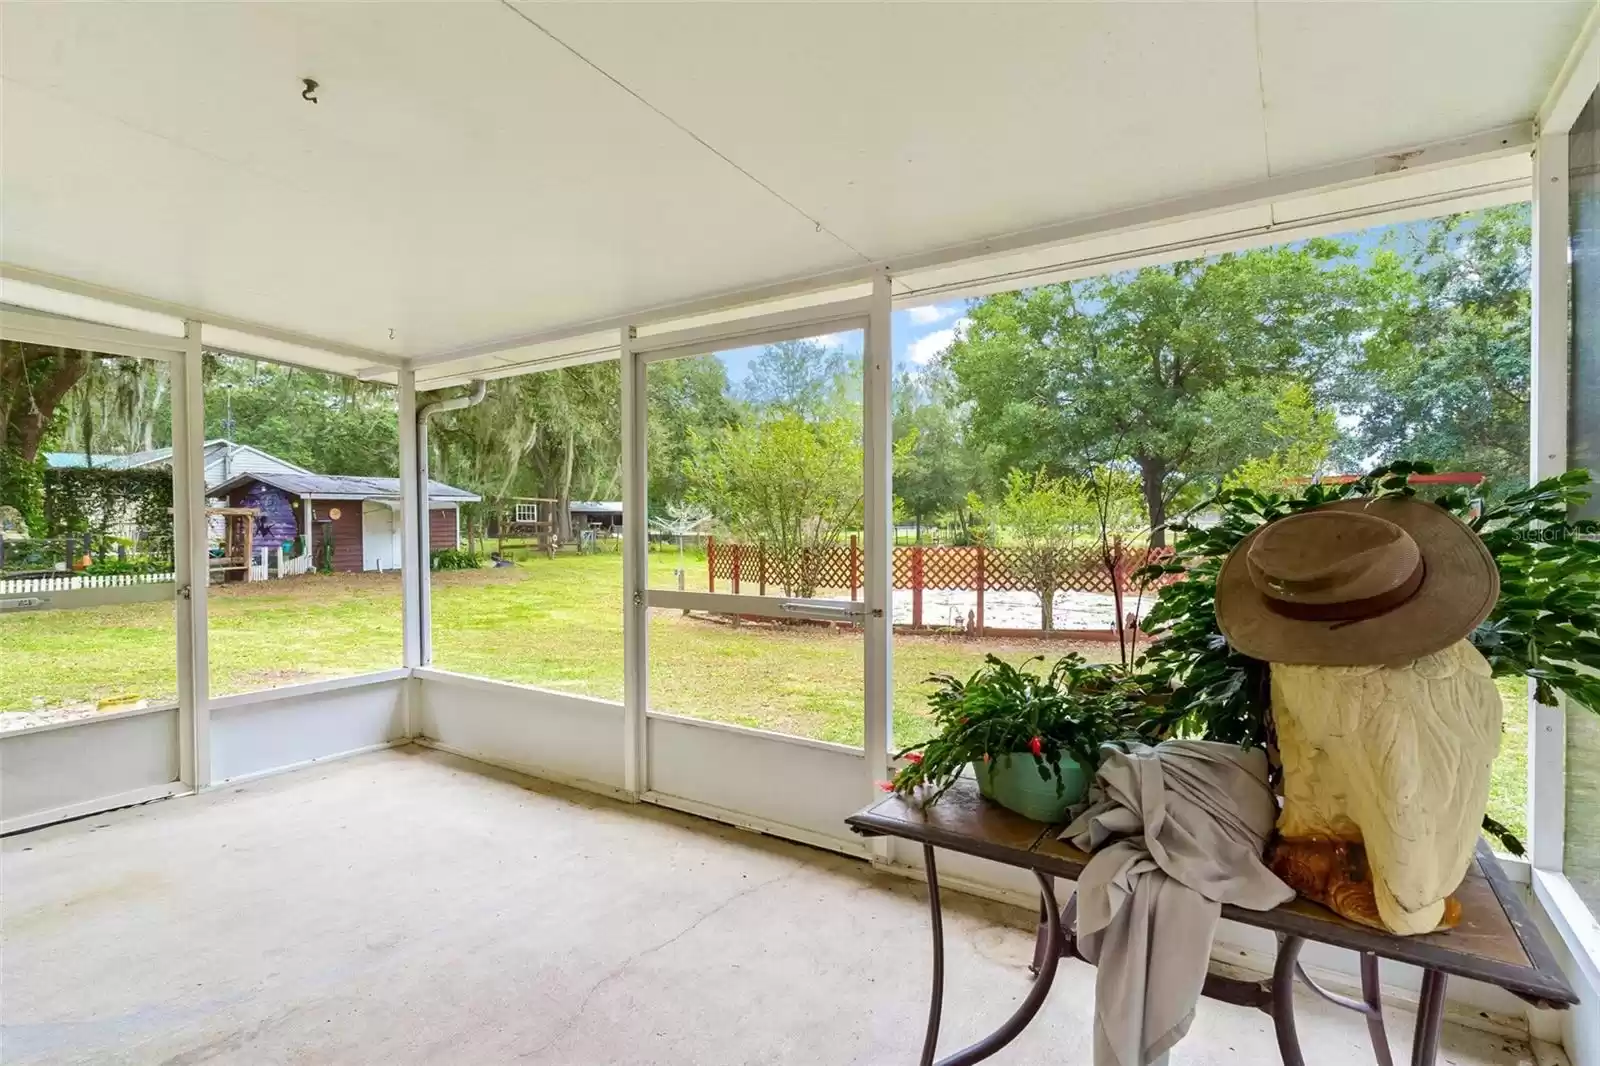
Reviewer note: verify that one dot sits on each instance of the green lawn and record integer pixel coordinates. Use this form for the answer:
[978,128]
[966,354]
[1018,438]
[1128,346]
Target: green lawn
[559,624]
[555,623]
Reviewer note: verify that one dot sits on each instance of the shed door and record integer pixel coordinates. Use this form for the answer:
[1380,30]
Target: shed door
[380,537]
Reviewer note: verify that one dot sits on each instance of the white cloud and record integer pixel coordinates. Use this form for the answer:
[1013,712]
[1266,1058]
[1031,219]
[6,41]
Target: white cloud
[923,350]
[932,313]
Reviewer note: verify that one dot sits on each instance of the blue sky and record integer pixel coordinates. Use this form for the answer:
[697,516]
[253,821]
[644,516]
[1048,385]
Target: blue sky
[919,334]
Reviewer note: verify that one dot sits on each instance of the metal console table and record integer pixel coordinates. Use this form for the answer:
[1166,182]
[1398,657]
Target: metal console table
[1496,941]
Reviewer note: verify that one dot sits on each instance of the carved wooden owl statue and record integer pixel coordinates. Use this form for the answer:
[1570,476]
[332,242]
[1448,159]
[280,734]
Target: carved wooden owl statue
[1396,758]
[1387,719]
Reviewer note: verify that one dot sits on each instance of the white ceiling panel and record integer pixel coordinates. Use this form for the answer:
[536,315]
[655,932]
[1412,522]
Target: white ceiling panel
[462,177]
[1344,79]
[909,127]
[906,127]
[479,176]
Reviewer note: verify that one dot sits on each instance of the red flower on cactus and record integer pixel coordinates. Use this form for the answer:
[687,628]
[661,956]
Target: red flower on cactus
[1036,745]
[913,757]
[887,786]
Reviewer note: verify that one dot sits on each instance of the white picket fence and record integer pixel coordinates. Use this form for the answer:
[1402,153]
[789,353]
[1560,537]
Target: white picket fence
[271,562]
[66,582]
[294,564]
[263,567]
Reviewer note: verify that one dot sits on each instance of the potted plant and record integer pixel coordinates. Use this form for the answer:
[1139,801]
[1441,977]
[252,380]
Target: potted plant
[1033,739]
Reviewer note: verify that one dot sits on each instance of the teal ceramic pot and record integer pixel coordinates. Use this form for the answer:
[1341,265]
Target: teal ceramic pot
[985,776]
[1013,781]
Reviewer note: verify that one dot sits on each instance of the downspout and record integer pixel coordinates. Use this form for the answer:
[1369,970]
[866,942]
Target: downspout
[480,388]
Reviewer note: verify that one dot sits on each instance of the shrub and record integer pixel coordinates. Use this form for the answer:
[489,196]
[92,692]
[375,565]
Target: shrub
[33,554]
[115,566]
[455,559]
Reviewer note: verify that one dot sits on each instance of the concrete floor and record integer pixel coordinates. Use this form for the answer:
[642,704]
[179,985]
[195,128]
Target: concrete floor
[410,907]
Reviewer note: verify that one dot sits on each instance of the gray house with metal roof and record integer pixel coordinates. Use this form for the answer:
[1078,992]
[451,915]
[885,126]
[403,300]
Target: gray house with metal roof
[224,459]
[348,522]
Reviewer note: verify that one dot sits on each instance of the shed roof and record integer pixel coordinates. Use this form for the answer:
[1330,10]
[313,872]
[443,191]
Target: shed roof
[133,460]
[80,460]
[343,487]
[596,506]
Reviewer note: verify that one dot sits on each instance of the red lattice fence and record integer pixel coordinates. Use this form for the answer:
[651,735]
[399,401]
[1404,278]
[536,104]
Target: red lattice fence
[838,568]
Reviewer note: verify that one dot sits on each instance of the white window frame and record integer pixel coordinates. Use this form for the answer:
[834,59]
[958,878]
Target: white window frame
[1550,411]
[872,315]
[188,596]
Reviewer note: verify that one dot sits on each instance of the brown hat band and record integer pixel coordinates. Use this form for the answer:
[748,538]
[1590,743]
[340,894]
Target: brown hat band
[1352,610]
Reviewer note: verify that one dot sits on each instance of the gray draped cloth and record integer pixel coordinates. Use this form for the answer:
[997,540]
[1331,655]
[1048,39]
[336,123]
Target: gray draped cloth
[1176,830]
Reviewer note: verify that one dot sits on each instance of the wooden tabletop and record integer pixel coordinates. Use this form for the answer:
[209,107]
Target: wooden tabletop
[1496,941]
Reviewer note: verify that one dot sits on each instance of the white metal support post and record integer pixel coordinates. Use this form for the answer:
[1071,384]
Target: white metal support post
[1547,726]
[191,563]
[414,575]
[411,562]
[635,571]
[877,510]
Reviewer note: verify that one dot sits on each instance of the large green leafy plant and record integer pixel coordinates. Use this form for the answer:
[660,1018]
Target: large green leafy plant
[1543,626]
[98,501]
[1066,713]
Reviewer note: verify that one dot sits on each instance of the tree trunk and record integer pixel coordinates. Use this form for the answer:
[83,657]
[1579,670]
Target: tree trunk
[86,431]
[564,497]
[29,410]
[1152,479]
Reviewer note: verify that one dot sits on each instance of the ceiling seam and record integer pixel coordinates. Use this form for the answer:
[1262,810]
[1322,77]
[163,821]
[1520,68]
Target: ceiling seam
[619,83]
[1261,96]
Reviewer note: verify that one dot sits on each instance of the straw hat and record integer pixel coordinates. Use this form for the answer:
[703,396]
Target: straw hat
[1368,581]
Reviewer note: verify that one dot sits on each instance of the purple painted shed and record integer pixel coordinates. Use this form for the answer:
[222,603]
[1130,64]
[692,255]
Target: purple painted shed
[277,522]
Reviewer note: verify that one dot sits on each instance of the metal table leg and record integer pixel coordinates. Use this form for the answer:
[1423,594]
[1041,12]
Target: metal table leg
[1430,1007]
[1283,1000]
[1369,1005]
[1041,935]
[1069,936]
[1430,1017]
[1371,992]
[931,1041]
[1026,1010]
